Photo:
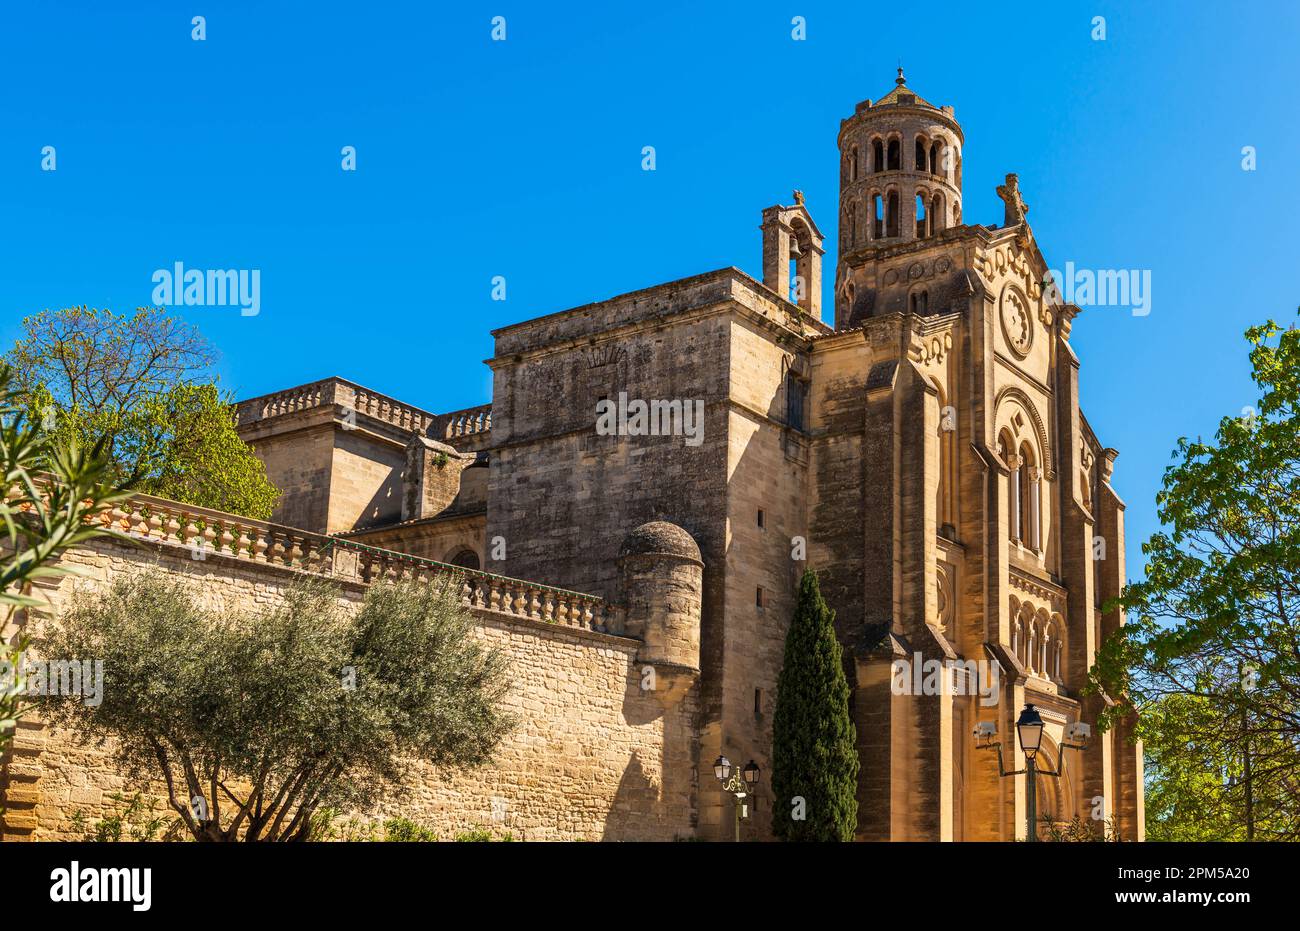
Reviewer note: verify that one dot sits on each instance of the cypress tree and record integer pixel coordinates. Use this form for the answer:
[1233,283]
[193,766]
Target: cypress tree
[813,737]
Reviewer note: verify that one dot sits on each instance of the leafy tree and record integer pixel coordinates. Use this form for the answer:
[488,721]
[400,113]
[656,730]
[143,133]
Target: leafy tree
[51,490]
[1212,661]
[258,721]
[143,385]
[1189,793]
[813,738]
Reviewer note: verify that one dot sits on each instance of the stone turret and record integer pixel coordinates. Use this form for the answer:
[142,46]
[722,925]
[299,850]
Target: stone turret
[900,170]
[662,577]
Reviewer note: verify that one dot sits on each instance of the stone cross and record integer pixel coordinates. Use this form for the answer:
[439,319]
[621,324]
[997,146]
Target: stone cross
[1016,208]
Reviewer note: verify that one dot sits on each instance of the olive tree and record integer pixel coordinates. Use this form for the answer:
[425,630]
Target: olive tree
[257,720]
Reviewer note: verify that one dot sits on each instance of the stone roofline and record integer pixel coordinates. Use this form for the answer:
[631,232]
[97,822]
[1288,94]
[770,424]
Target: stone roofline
[681,295]
[340,392]
[866,108]
[985,235]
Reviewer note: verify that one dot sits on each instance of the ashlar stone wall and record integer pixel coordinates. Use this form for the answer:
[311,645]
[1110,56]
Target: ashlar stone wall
[594,756]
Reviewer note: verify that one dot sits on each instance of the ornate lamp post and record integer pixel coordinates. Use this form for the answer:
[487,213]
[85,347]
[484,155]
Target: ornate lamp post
[1029,729]
[740,783]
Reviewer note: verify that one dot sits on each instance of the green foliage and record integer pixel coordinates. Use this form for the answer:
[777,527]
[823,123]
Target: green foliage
[260,720]
[135,821]
[406,831]
[393,830]
[142,385]
[1210,659]
[481,836]
[813,737]
[1077,830]
[51,490]
[1193,785]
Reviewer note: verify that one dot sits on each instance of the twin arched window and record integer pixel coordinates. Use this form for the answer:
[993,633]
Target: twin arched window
[1038,642]
[1025,494]
[888,156]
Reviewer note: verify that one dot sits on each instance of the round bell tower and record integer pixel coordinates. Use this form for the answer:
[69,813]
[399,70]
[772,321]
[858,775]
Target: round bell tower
[900,171]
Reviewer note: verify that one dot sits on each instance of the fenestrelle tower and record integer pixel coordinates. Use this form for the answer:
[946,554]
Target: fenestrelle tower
[900,181]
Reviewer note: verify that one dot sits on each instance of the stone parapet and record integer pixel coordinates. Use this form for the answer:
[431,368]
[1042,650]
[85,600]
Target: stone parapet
[209,534]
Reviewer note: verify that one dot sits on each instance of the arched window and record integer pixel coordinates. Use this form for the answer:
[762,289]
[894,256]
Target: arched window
[796,395]
[936,213]
[1027,490]
[466,559]
[1006,449]
[920,303]
[957,180]
[920,154]
[878,155]
[922,219]
[891,212]
[947,509]
[935,165]
[895,155]
[1051,646]
[853,167]
[877,217]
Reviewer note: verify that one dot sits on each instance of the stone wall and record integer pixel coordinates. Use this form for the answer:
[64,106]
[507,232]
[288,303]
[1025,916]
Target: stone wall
[594,757]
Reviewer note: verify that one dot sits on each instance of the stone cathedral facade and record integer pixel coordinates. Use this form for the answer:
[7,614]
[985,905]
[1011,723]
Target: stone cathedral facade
[926,455]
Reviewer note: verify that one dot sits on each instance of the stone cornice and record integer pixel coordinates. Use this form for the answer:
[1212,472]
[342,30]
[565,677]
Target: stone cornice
[1045,590]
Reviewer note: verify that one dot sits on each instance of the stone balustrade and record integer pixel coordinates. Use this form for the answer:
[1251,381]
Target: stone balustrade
[206,532]
[469,422]
[339,392]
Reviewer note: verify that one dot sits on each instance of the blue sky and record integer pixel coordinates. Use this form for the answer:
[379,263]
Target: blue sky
[523,159]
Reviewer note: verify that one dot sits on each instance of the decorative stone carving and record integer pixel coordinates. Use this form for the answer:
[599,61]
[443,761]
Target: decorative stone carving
[608,354]
[931,349]
[1017,321]
[945,577]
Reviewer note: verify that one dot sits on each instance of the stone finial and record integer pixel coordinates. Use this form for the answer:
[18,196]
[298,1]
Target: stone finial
[1016,208]
[798,197]
[900,80]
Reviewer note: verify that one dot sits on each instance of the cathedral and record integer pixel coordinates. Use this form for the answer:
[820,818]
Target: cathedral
[680,454]
[926,456]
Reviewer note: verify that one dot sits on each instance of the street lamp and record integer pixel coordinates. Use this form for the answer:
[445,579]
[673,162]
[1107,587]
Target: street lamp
[1029,729]
[741,785]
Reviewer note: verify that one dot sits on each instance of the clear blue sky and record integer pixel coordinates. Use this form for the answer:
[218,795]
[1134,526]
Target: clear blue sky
[522,158]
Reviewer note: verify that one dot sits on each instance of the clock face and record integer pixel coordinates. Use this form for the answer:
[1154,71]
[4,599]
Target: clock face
[1017,322]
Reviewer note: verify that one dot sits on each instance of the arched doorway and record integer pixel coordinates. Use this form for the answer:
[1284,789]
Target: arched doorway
[1055,794]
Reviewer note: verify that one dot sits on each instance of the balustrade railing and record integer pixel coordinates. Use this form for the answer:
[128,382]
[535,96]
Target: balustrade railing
[336,391]
[206,532]
[469,422]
